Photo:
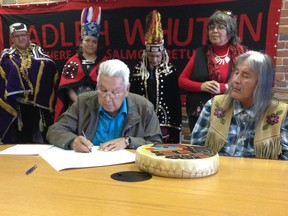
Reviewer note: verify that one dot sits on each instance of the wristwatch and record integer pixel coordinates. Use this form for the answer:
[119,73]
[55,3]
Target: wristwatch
[127,141]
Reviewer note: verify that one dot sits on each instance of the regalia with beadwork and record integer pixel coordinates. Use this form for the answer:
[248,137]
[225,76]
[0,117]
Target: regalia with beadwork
[167,97]
[28,77]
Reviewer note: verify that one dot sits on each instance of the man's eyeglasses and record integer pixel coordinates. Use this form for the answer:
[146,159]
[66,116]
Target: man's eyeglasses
[112,94]
[20,36]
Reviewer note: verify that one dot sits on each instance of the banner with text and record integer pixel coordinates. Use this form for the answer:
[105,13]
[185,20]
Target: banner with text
[56,27]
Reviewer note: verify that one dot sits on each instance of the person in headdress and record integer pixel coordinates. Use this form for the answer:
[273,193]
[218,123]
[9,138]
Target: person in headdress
[28,83]
[155,78]
[80,71]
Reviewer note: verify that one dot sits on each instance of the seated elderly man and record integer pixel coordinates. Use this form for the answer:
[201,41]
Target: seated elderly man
[247,121]
[109,117]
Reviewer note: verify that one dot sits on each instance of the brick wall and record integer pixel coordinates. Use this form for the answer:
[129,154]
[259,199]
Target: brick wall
[282,48]
[281,76]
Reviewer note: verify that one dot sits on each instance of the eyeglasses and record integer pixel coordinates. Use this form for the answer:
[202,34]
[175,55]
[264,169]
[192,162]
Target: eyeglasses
[20,35]
[218,27]
[112,94]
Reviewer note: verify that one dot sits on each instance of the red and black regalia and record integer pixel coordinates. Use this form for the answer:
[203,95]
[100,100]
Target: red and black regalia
[28,83]
[80,75]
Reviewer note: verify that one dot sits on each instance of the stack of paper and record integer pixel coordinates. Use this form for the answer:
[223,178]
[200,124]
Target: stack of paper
[61,159]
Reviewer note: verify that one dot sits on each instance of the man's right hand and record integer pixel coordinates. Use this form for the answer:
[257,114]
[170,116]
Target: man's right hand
[81,144]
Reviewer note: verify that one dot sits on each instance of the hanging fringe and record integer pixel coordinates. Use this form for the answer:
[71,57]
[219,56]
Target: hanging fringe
[269,148]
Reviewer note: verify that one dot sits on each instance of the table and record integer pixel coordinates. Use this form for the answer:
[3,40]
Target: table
[241,187]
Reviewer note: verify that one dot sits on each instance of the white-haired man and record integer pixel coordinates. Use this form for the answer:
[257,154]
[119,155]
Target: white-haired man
[109,117]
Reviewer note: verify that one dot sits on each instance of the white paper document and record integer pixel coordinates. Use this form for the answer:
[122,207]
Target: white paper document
[61,159]
[26,149]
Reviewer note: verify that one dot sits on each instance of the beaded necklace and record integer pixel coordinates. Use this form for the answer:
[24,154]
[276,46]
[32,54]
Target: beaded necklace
[222,59]
[26,62]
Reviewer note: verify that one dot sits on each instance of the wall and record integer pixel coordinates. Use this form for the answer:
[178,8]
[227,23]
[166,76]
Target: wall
[282,48]
[281,76]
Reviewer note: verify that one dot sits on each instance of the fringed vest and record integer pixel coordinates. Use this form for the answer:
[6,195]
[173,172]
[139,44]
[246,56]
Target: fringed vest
[267,136]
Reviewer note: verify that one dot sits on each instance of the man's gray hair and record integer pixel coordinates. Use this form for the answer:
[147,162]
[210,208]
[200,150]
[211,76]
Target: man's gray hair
[262,65]
[114,68]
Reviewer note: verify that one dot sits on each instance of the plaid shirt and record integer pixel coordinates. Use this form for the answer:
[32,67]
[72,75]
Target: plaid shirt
[240,140]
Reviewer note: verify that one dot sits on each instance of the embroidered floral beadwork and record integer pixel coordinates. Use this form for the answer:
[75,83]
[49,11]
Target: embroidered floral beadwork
[220,112]
[272,119]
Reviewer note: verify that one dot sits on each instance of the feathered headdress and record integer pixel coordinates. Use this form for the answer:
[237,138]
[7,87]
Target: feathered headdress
[90,22]
[153,32]
[154,42]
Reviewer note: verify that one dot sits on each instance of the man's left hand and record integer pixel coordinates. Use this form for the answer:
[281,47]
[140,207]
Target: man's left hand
[113,145]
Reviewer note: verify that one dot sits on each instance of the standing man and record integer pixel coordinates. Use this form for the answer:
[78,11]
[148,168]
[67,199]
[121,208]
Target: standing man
[156,79]
[28,83]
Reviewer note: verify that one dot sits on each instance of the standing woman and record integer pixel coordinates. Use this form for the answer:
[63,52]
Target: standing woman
[80,71]
[210,66]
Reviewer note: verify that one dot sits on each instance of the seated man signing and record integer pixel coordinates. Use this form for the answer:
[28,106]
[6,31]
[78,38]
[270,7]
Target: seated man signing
[247,121]
[109,117]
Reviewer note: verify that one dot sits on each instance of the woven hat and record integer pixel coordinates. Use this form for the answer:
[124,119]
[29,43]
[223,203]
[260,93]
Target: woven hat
[17,27]
[153,32]
[90,22]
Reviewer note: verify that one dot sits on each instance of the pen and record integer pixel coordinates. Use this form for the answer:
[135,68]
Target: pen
[31,169]
[86,138]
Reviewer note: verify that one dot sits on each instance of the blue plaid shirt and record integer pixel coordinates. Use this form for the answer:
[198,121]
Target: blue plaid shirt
[240,140]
